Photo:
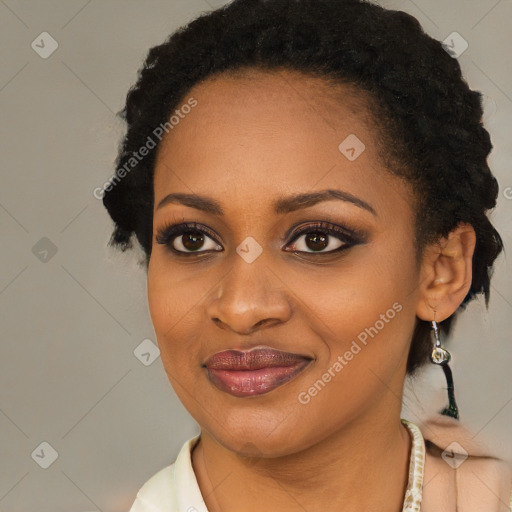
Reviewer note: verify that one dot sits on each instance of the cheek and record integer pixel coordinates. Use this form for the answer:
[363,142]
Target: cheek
[175,300]
[366,311]
[171,295]
[170,301]
[354,295]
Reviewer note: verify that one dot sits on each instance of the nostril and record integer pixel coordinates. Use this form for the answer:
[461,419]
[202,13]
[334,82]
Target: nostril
[218,322]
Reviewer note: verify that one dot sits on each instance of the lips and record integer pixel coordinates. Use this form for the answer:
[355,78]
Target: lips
[258,371]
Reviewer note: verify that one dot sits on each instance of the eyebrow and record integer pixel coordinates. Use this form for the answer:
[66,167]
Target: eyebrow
[281,206]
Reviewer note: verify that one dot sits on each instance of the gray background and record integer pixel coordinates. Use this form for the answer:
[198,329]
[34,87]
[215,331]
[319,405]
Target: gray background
[74,311]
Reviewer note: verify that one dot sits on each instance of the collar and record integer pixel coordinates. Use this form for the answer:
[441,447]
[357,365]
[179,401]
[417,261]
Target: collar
[175,488]
[412,500]
[480,483]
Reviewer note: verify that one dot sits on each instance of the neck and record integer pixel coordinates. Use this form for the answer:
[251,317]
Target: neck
[360,466]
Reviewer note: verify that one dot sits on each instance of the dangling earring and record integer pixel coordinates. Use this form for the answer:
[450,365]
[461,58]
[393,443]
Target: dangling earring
[441,356]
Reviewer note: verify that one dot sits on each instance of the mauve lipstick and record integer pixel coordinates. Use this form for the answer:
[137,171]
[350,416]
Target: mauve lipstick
[248,373]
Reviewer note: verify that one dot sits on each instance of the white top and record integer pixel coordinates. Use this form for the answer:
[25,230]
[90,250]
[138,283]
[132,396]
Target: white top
[175,488]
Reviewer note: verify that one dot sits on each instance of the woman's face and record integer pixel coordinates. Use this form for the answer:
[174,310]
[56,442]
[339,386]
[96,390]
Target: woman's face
[250,148]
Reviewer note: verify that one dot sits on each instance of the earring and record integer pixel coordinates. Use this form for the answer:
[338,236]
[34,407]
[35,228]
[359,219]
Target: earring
[441,356]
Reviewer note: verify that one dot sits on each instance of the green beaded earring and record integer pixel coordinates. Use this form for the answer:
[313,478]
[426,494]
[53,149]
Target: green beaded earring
[441,356]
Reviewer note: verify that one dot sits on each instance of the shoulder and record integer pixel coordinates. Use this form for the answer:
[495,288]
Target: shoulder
[155,492]
[461,473]
[171,487]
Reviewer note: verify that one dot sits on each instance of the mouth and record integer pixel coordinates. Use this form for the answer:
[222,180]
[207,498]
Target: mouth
[255,372]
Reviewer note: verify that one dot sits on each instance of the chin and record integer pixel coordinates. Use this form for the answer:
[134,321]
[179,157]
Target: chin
[256,434]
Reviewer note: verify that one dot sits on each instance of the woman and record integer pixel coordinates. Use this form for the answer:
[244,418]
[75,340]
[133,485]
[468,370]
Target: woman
[308,181]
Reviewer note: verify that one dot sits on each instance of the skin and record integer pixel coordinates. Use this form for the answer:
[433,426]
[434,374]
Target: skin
[251,139]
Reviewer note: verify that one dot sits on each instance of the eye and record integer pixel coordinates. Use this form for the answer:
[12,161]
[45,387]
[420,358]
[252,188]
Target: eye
[323,238]
[187,238]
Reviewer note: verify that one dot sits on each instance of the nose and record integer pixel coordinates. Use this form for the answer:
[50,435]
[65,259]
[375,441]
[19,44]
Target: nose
[248,297]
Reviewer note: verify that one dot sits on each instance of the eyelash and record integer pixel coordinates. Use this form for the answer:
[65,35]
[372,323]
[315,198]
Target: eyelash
[167,234]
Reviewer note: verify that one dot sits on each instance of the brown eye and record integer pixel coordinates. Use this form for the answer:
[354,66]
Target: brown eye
[322,238]
[315,241]
[192,240]
[187,239]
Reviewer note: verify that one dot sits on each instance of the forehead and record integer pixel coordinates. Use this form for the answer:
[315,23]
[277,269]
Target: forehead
[257,133]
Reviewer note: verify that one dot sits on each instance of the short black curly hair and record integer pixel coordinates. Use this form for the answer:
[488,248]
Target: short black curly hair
[421,104]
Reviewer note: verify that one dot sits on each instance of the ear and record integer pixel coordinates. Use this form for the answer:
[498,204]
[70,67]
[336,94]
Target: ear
[446,273]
